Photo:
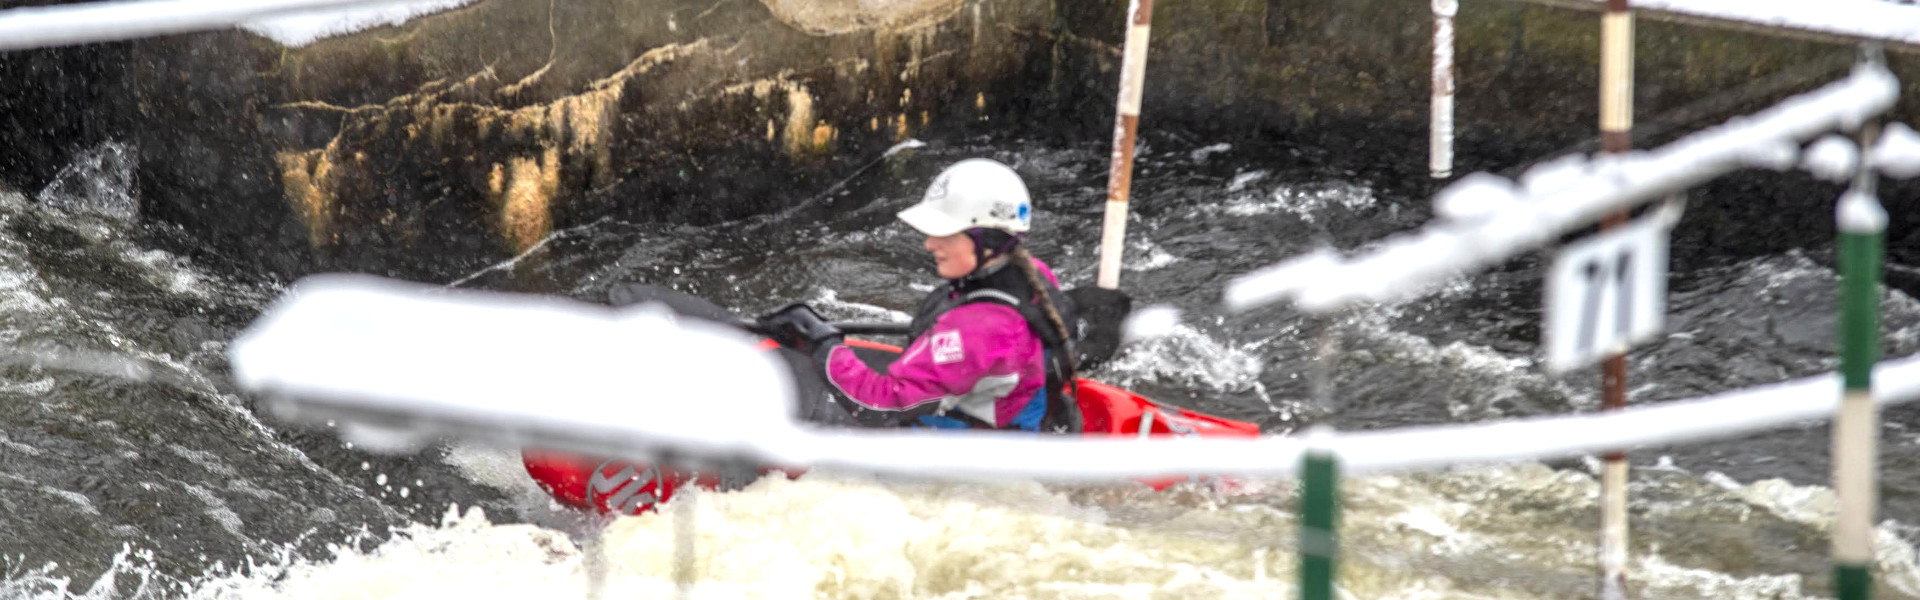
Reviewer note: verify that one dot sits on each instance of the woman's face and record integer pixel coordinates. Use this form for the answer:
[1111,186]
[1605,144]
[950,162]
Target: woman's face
[952,254]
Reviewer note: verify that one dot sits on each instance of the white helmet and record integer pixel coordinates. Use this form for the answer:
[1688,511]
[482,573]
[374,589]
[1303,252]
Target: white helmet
[976,192]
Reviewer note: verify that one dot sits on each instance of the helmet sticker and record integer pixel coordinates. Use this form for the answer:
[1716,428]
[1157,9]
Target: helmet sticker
[1003,210]
[1025,213]
[938,191]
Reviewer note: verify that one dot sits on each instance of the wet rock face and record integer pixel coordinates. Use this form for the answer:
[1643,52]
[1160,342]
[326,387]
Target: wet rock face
[192,111]
[835,17]
[468,136]
[495,125]
[463,138]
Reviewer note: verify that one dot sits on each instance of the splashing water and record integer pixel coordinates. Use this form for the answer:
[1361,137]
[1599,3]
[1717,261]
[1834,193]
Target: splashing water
[100,180]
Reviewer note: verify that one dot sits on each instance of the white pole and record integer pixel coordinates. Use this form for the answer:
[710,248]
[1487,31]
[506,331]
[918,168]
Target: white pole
[1440,139]
[1133,80]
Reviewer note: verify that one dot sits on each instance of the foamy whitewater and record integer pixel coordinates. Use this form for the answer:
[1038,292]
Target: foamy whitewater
[835,537]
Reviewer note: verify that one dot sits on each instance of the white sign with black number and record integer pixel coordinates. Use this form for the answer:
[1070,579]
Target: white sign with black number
[1608,292]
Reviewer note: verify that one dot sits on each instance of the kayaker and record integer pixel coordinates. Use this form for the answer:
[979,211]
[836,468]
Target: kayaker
[991,349]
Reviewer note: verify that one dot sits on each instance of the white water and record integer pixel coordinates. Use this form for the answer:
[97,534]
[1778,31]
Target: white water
[1497,533]
[1507,532]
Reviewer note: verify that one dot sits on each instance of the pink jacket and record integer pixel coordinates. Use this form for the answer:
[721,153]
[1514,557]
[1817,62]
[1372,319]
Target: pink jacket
[978,358]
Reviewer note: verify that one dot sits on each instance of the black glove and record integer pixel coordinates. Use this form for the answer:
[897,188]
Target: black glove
[796,326]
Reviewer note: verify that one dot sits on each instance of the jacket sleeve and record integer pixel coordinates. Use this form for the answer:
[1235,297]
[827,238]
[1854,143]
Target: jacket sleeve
[948,360]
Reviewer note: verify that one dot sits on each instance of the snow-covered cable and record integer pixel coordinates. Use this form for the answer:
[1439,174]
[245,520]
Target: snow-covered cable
[414,361]
[1493,218]
[44,26]
[1867,19]
[1897,154]
[983,455]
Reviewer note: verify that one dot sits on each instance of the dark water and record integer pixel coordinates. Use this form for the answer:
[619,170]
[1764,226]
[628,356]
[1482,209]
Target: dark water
[171,485]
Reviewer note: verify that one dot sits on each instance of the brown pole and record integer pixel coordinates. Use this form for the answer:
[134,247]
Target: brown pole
[1616,135]
[1133,75]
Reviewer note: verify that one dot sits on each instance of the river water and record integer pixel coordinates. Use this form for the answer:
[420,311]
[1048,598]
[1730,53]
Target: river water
[130,467]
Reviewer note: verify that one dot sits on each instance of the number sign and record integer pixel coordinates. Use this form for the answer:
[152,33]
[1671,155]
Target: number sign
[1606,293]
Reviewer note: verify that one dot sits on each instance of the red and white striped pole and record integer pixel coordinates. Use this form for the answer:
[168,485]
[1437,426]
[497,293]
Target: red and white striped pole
[1133,79]
[1440,134]
[1616,136]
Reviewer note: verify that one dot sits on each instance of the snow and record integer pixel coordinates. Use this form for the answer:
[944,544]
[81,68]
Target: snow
[1273,282]
[1555,198]
[305,28]
[1873,19]
[1859,212]
[1151,322]
[910,144]
[1554,175]
[1475,197]
[1779,155]
[399,356]
[43,26]
[988,454]
[575,376]
[1832,158]
[1897,154]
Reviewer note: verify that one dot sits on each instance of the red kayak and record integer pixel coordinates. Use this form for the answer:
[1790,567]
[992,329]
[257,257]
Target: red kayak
[618,486]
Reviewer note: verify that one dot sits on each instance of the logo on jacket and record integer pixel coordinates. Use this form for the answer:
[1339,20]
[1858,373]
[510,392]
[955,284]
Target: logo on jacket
[946,347]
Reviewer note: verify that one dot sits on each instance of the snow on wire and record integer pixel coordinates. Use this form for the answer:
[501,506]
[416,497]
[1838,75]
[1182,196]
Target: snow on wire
[419,362]
[1484,219]
[292,22]
[1866,19]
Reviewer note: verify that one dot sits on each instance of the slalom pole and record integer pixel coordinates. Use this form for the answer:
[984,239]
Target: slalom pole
[1319,518]
[684,574]
[1616,136]
[1862,223]
[1440,130]
[1126,122]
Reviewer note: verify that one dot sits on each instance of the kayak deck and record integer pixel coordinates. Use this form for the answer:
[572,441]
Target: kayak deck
[610,485]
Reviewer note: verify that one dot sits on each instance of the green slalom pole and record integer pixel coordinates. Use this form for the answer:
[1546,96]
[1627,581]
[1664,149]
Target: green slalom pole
[1319,520]
[1862,223]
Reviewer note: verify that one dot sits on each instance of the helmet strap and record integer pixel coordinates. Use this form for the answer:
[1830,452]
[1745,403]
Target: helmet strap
[991,244]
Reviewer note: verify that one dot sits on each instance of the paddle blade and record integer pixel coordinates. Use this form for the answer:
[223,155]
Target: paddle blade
[1100,313]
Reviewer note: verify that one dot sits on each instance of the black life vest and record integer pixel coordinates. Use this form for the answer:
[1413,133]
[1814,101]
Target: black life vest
[1009,287]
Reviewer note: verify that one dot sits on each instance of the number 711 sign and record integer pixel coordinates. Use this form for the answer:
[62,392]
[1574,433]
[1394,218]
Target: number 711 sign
[1608,292]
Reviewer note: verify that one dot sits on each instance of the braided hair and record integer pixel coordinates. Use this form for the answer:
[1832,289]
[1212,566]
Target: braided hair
[989,244]
[1025,262]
